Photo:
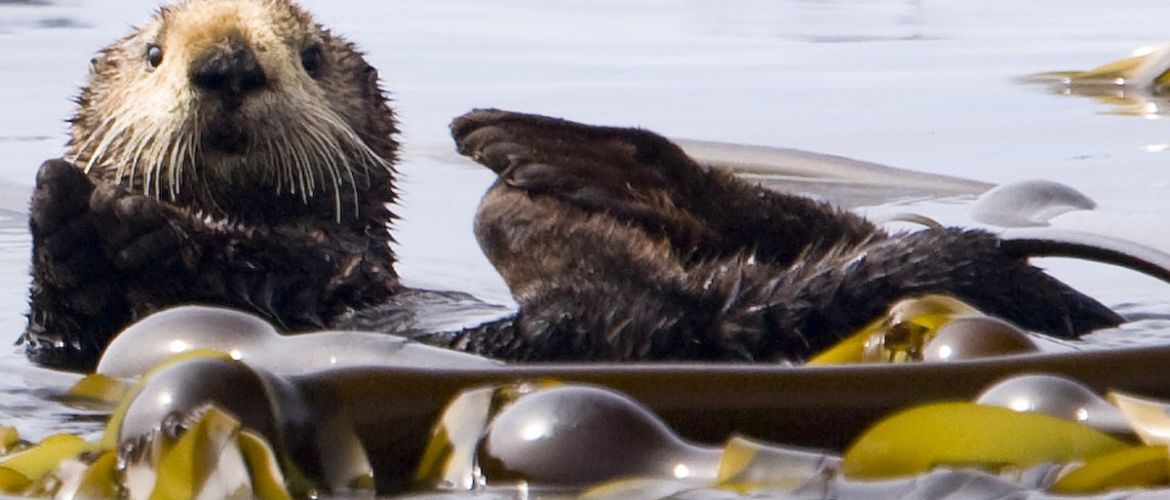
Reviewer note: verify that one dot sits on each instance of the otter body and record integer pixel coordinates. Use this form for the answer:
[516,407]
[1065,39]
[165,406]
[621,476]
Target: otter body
[237,154]
[233,152]
[617,245]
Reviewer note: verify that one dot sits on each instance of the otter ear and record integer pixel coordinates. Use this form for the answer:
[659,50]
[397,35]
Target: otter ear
[371,87]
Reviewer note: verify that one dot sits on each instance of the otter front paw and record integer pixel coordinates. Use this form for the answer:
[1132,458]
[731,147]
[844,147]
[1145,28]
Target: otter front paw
[62,192]
[61,226]
[136,231]
[77,297]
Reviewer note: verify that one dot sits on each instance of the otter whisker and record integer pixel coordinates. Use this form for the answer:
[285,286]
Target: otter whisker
[352,153]
[272,175]
[141,148]
[168,170]
[150,168]
[167,154]
[178,144]
[145,169]
[183,149]
[194,139]
[297,160]
[339,163]
[294,158]
[364,150]
[107,141]
[324,145]
[82,150]
[326,151]
[132,153]
[321,149]
[301,162]
[297,178]
[297,183]
[348,167]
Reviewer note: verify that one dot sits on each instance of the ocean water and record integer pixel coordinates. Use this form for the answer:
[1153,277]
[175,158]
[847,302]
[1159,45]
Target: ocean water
[930,86]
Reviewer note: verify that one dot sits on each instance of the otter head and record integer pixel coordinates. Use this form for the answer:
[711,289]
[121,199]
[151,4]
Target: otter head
[243,109]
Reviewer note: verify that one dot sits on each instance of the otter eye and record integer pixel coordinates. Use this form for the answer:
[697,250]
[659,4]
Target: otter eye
[153,55]
[311,60]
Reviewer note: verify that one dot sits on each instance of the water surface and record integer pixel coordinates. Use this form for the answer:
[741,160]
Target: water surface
[915,84]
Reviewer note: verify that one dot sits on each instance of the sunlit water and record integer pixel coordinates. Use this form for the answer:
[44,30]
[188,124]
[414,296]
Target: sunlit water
[914,84]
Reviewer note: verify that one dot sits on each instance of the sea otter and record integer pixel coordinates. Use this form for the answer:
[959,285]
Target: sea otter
[237,153]
[617,245]
[234,152]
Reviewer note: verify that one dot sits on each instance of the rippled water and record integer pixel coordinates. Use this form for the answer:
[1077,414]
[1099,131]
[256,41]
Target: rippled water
[915,84]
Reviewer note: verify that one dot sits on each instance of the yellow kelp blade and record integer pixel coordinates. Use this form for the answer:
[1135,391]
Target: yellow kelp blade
[969,435]
[100,479]
[37,461]
[13,482]
[1147,69]
[9,438]
[98,388]
[848,351]
[1138,467]
[449,459]
[1149,66]
[748,466]
[267,480]
[1148,418]
[908,325]
[185,468]
[1123,68]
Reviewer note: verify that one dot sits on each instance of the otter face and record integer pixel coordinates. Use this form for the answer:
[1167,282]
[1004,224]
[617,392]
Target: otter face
[230,96]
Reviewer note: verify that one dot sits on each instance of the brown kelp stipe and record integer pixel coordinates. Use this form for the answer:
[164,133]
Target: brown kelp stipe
[394,409]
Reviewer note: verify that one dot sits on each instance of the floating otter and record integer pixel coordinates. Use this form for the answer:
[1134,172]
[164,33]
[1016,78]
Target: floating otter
[617,245]
[239,154]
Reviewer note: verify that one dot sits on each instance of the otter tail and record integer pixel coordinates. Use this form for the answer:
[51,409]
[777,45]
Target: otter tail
[1048,242]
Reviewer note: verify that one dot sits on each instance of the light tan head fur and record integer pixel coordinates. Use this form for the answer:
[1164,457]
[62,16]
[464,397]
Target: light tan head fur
[313,129]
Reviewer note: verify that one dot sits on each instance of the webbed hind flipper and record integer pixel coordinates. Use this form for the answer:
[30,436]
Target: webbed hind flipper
[641,178]
[783,275]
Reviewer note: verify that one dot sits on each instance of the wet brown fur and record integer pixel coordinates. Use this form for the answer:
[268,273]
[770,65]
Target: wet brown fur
[617,245]
[265,189]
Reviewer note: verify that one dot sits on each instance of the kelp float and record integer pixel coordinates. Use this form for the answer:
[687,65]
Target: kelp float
[206,423]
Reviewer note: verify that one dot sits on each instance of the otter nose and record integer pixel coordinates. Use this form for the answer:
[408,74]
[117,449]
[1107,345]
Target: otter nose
[230,73]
